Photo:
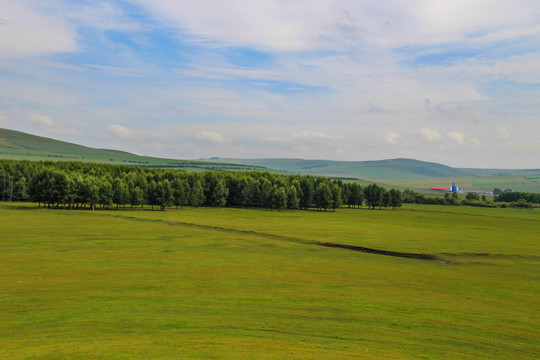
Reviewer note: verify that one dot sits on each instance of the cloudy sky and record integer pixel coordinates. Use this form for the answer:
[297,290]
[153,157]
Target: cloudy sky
[457,82]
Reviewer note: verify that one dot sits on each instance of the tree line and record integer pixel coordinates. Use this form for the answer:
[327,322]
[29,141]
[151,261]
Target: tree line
[512,199]
[72,185]
[509,196]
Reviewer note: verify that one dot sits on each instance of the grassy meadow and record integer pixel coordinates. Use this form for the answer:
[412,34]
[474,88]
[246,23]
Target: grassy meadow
[213,283]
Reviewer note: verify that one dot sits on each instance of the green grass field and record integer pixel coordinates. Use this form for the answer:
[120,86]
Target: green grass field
[250,284]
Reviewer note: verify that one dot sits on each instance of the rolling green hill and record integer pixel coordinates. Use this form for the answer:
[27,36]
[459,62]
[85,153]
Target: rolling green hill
[406,173]
[394,169]
[16,145]
[400,173]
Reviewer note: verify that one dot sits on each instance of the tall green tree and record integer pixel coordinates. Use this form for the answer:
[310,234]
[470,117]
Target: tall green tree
[292,198]
[164,194]
[337,201]
[196,196]
[20,189]
[396,199]
[323,196]
[220,193]
[373,195]
[180,192]
[279,198]
[386,198]
[120,192]
[472,196]
[265,193]
[105,192]
[92,190]
[136,197]
[307,184]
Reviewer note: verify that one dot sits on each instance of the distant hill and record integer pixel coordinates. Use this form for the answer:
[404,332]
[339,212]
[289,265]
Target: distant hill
[17,145]
[393,169]
[400,173]
[406,173]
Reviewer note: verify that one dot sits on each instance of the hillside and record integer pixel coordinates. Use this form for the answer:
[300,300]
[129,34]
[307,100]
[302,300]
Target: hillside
[406,173]
[394,169]
[400,173]
[16,145]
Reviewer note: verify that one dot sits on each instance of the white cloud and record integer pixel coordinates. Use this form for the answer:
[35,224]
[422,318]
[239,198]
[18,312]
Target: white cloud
[121,131]
[523,69]
[430,135]
[266,23]
[118,71]
[503,132]
[303,24]
[210,136]
[475,141]
[37,93]
[458,137]
[392,137]
[4,120]
[101,15]
[26,32]
[339,78]
[316,135]
[41,120]
[227,73]
[462,140]
[46,124]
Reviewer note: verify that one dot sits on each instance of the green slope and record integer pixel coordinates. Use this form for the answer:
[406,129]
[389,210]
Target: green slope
[384,169]
[401,173]
[394,169]
[407,173]
[16,145]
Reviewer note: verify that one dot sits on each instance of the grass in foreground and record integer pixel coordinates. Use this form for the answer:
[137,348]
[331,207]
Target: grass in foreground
[86,285]
[438,230]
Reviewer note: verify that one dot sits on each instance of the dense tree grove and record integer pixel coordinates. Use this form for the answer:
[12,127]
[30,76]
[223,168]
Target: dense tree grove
[99,186]
[505,199]
[510,196]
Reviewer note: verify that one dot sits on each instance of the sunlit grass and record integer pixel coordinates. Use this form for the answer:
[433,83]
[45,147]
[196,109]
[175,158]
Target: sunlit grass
[114,285]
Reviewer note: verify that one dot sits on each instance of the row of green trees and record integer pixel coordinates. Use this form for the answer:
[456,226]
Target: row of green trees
[515,196]
[503,200]
[75,185]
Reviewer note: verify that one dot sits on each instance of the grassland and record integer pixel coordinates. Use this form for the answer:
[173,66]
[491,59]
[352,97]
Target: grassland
[248,284]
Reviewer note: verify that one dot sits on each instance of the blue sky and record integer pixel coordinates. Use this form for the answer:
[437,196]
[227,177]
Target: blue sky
[454,82]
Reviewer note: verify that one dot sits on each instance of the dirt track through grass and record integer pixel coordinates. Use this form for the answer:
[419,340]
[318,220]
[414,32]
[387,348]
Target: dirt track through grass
[363,249]
[336,245]
[195,284]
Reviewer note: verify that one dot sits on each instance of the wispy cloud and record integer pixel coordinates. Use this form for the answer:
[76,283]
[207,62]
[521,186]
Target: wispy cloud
[27,32]
[430,135]
[503,132]
[460,139]
[211,136]
[121,131]
[48,125]
[4,120]
[347,79]
[392,137]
